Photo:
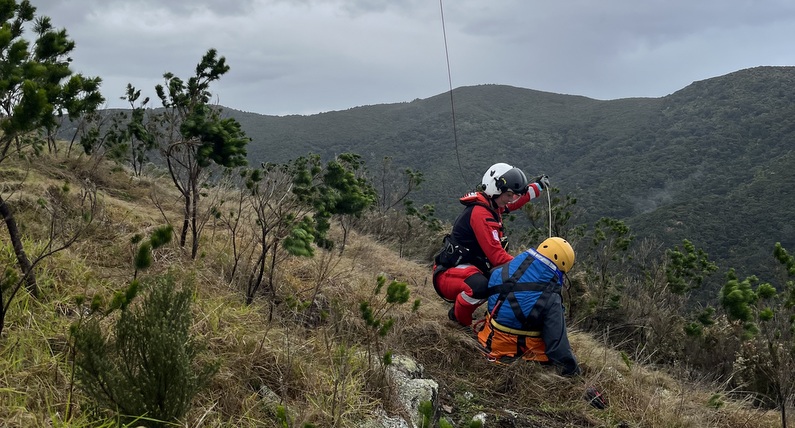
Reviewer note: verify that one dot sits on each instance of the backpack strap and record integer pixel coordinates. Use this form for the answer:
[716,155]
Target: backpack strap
[510,286]
[507,288]
[541,303]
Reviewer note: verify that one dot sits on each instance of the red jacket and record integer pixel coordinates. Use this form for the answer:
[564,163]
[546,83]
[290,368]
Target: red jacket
[479,227]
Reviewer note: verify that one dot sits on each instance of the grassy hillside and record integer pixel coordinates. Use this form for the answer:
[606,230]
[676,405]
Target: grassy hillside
[310,356]
[700,164]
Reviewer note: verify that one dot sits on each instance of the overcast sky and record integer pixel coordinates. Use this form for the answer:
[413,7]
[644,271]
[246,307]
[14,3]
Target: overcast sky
[311,56]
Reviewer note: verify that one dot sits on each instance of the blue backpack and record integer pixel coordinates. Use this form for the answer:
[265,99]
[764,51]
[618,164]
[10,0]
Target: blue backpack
[520,288]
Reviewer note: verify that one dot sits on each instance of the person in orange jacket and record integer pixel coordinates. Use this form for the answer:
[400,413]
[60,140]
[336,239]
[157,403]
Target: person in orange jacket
[476,243]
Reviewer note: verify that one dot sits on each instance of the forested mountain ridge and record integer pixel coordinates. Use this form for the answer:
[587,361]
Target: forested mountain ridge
[712,162]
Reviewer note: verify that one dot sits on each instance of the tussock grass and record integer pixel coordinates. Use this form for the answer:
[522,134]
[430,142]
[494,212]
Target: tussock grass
[310,358]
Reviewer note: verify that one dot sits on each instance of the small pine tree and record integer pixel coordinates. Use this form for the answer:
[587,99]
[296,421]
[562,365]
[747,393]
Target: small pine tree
[687,268]
[143,256]
[375,313]
[764,317]
[149,367]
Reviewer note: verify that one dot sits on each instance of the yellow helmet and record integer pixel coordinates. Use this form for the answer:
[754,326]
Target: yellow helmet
[559,251]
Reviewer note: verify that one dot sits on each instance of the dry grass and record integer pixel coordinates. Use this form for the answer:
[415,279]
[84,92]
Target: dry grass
[309,360]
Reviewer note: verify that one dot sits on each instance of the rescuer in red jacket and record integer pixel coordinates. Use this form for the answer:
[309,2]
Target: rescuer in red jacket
[476,243]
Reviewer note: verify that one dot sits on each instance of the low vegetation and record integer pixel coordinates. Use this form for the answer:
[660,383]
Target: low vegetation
[295,356]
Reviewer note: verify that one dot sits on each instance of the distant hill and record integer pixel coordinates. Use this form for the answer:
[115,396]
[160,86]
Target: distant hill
[713,162]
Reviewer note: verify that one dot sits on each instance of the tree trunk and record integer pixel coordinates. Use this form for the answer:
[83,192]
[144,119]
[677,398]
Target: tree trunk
[16,241]
[185,221]
[255,279]
[782,399]
[194,227]
[275,250]
[345,228]
[2,314]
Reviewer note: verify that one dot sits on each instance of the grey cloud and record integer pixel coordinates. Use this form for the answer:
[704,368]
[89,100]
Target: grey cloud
[78,9]
[304,56]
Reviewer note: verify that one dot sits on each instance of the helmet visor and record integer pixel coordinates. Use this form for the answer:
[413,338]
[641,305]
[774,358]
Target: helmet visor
[513,180]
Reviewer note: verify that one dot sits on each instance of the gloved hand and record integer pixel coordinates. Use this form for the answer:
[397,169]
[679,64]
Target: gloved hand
[542,181]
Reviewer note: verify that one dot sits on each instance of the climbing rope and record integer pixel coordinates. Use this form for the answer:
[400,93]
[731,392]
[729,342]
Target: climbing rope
[549,208]
[450,83]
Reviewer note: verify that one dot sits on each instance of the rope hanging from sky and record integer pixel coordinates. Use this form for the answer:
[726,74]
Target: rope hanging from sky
[452,111]
[450,82]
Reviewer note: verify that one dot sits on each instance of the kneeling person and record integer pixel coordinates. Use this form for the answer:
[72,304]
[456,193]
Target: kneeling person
[525,318]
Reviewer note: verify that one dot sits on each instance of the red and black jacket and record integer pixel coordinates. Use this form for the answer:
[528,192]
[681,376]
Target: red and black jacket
[479,228]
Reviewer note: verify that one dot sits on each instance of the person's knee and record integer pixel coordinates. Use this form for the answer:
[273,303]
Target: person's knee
[478,285]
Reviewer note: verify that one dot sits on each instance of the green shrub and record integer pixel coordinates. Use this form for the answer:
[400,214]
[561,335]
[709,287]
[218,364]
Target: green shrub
[148,366]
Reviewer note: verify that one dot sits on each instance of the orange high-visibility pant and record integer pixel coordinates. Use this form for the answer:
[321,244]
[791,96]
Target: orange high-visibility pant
[498,344]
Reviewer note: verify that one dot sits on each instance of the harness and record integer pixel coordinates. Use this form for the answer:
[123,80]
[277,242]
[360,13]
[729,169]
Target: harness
[511,284]
[504,329]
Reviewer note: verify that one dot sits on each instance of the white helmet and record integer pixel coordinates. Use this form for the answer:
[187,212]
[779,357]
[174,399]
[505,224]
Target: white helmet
[500,177]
